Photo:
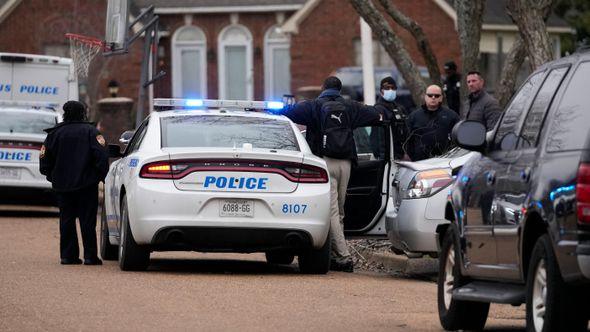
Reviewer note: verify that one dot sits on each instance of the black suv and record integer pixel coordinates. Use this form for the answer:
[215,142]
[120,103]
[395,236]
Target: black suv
[519,210]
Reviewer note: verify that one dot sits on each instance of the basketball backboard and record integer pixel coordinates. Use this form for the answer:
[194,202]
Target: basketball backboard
[117,23]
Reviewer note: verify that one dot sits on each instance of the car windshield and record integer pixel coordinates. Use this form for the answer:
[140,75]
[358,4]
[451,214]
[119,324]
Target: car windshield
[27,122]
[219,131]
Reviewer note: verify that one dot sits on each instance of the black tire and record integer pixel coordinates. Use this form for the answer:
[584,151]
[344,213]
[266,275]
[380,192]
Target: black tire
[561,304]
[454,314]
[279,257]
[132,257]
[108,251]
[316,261]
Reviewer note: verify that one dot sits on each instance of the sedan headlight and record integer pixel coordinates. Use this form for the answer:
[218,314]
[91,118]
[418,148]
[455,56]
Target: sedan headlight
[428,183]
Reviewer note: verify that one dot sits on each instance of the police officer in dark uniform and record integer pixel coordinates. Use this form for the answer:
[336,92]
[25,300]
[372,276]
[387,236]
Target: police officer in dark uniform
[74,159]
[395,114]
[430,126]
[452,87]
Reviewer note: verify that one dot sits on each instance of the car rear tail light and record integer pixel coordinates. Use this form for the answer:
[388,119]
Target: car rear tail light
[428,183]
[583,193]
[177,169]
[20,145]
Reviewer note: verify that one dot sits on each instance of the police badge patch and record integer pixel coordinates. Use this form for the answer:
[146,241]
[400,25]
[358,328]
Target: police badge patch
[101,140]
[42,152]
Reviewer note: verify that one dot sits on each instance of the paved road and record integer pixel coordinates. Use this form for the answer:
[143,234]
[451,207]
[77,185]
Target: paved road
[192,291]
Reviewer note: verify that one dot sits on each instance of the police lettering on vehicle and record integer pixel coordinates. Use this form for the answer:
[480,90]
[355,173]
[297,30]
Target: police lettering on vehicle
[5,87]
[39,90]
[222,182]
[19,156]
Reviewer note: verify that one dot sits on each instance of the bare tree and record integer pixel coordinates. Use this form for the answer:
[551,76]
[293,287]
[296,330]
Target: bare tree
[530,16]
[512,64]
[469,21]
[393,45]
[421,40]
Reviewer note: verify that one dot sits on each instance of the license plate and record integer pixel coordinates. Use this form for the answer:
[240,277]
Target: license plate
[236,208]
[9,173]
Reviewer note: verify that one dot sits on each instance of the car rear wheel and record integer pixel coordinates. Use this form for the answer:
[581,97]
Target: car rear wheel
[279,257]
[454,314]
[316,261]
[551,305]
[132,257]
[107,250]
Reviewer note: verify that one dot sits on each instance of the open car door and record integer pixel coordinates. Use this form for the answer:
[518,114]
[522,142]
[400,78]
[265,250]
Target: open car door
[368,188]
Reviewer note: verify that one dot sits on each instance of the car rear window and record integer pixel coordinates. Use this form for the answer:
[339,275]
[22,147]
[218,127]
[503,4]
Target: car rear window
[26,122]
[218,131]
[570,125]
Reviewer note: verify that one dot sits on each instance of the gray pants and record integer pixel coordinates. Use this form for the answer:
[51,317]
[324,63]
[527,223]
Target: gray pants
[339,170]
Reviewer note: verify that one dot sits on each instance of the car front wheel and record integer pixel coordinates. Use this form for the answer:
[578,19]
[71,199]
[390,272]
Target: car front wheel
[132,257]
[454,314]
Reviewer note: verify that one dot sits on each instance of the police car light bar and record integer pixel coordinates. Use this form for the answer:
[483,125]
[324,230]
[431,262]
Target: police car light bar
[36,104]
[216,103]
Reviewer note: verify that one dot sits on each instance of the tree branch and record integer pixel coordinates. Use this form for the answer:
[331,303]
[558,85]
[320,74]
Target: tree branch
[394,47]
[512,64]
[421,40]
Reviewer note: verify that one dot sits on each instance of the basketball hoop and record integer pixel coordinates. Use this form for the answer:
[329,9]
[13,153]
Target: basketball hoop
[83,49]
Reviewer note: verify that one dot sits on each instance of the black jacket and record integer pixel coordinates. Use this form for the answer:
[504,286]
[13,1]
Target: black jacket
[307,113]
[484,108]
[452,89]
[430,132]
[72,157]
[396,115]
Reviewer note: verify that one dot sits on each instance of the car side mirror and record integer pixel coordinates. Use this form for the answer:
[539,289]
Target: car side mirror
[114,151]
[470,135]
[126,137]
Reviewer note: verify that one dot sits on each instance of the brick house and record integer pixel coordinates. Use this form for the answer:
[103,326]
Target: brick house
[270,47]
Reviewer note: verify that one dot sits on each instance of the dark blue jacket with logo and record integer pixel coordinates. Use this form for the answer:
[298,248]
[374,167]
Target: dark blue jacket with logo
[72,157]
[307,113]
[430,132]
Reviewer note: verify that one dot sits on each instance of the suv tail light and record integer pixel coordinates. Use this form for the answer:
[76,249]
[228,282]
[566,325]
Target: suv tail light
[178,169]
[583,193]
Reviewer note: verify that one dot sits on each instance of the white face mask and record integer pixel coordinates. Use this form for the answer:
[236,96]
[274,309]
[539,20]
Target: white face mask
[389,95]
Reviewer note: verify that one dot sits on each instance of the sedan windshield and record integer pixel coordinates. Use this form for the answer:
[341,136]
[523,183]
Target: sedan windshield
[29,122]
[227,132]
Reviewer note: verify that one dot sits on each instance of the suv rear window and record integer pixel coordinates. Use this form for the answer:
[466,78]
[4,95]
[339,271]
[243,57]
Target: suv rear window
[570,125]
[27,122]
[219,131]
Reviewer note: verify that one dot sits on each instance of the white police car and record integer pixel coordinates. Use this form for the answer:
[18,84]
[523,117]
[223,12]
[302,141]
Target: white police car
[21,138]
[217,180]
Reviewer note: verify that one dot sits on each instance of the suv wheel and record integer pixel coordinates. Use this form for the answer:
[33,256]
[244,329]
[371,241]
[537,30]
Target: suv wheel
[132,257]
[107,250]
[316,261]
[453,314]
[279,257]
[550,304]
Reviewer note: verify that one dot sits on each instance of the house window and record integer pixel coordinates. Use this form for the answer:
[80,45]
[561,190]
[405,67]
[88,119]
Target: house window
[189,65]
[235,63]
[277,64]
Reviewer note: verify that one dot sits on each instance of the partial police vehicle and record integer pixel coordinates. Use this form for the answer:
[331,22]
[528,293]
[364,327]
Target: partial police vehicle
[32,90]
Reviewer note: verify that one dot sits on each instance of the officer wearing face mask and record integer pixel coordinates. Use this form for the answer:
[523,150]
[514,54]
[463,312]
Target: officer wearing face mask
[393,113]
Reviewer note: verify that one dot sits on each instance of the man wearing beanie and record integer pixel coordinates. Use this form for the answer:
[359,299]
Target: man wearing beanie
[74,159]
[395,114]
[452,87]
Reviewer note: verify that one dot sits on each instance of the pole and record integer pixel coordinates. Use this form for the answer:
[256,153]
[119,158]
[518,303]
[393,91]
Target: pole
[143,78]
[368,66]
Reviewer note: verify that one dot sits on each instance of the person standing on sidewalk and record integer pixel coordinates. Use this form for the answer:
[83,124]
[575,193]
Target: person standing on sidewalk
[74,159]
[330,121]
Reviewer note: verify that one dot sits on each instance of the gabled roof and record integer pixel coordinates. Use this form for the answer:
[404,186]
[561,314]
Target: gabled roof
[220,6]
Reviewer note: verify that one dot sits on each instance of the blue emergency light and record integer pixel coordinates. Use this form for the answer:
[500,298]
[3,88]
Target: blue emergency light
[271,106]
[194,102]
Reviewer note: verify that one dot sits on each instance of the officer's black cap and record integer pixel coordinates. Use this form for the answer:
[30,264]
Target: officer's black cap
[388,80]
[450,65]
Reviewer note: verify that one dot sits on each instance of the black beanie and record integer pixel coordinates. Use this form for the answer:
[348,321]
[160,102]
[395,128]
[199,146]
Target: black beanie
[388,80]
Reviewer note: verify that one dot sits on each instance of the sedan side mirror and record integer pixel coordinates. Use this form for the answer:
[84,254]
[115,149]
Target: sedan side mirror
[126,137]
[470,135]
[114,151]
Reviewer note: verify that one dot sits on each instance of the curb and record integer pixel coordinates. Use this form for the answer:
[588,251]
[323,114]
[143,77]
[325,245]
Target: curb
[397,263]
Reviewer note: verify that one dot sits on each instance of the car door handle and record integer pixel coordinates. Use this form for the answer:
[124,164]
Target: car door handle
[491,178]
[525,174]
